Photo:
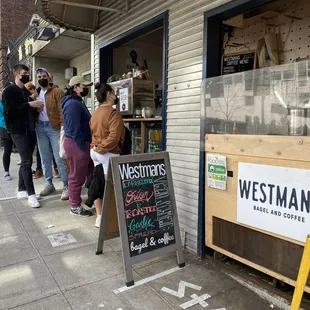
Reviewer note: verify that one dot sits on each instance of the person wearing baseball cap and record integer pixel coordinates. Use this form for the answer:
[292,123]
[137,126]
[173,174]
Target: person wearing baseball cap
[78,80]
[77,138]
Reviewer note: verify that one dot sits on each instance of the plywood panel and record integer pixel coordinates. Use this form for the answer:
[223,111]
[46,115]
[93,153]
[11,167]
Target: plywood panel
[277,147]
[223,204]
[292,35]
[223,233]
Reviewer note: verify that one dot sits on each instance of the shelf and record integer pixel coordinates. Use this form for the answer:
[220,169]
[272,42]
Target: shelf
[155,119]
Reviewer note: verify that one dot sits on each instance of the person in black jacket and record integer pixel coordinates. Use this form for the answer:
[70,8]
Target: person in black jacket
[19,114]
[95,186]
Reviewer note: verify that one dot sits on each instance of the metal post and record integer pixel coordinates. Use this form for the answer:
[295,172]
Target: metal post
[302,276]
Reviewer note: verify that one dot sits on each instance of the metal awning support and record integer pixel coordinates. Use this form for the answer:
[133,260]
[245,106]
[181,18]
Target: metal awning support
[81,16]
[89,6]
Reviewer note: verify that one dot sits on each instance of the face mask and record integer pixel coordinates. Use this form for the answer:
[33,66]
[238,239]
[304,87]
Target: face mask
[43,82]
[84,93]
[24,79]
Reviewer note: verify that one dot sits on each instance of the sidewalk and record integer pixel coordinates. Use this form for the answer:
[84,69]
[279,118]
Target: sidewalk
[39,270]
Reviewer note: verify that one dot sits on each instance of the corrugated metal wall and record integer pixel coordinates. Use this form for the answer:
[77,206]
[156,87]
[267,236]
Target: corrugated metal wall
[185,51]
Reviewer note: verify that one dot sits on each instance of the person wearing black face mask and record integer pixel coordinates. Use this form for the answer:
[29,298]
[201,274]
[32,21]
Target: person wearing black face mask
[77,141]
[108,134]
[48,131]
[19,113]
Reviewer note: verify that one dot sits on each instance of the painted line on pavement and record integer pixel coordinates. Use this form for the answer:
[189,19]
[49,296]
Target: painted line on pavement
[8,198]
[41,198]
[149,279]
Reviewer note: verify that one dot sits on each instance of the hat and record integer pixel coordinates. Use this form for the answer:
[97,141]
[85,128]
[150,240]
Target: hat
[42,69]
[79,80]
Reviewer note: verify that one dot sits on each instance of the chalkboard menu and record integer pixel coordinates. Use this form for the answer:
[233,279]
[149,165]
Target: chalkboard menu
[146,209]
[147,206]
[238,62]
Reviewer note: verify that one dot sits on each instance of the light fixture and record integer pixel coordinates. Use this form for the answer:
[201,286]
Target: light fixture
[46,34]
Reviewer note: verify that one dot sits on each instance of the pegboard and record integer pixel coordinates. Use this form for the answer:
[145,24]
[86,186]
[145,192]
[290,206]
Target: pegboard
[293,34]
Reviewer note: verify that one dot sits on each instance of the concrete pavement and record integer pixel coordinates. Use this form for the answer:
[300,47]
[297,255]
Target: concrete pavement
[47,261]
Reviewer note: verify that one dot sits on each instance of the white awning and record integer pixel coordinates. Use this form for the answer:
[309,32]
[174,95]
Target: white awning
[67,45]
[80,15]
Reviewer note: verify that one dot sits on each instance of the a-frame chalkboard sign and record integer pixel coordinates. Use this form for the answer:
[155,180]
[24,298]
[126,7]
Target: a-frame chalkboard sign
[146,209]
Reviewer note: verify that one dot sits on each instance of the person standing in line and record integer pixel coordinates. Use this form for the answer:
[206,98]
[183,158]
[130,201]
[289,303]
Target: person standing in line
[56,172]
[19,114]
[108,133]
[7,144]
[77,141]
[38,173]
[48,131]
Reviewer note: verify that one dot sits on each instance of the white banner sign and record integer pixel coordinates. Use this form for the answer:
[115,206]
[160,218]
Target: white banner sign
[275,199]
[123,99]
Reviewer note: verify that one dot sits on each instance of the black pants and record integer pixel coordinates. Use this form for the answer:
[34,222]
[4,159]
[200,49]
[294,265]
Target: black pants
[25,145]
[7,151]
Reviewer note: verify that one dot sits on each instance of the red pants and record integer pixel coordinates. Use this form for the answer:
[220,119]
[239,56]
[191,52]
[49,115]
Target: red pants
[81,167]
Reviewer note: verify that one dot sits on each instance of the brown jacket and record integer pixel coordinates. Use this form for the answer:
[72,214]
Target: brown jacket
[53,98]
[107,129]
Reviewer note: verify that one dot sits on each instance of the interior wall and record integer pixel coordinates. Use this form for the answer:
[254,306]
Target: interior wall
[149,48]
[56,66]
[82,63]
[292,26]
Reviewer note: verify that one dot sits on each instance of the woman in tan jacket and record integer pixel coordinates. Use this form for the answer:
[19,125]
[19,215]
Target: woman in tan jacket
[107,130]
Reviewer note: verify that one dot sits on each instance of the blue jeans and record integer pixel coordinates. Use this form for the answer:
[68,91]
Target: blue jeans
[48,139]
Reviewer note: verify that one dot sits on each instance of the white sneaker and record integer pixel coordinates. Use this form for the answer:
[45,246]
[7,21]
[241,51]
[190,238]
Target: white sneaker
[33,201]
[98,221]
[22,195]
[64,194]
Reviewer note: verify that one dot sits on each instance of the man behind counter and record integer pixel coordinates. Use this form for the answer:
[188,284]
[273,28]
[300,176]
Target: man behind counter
[19,114]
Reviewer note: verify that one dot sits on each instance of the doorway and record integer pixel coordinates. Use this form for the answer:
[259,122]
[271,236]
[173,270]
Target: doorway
[113,57]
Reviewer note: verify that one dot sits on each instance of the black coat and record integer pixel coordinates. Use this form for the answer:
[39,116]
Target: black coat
[18,114]
[96,187]
[4,133]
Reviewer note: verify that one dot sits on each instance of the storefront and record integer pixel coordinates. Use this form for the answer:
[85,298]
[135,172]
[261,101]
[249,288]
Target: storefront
[254,134]
[195,37]
[181,24]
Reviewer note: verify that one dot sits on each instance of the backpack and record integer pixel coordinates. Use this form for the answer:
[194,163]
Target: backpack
[126,147]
